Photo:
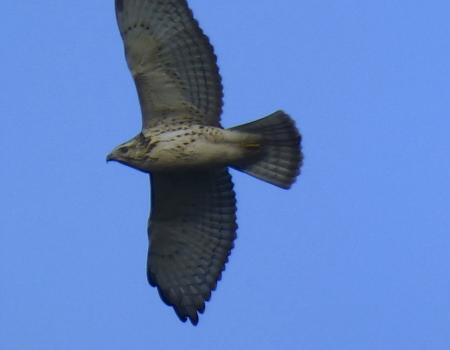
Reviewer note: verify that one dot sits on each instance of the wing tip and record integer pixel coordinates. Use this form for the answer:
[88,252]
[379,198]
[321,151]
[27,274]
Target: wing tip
[190,315]
[119,5]
[183,312]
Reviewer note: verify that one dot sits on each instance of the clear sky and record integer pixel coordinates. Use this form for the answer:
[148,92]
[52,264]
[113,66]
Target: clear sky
[355,256]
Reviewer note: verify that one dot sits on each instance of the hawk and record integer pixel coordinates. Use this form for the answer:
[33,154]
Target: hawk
[187,153]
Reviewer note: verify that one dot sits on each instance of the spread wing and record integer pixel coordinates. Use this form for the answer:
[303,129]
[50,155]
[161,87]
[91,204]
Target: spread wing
[171,60]
[191,231]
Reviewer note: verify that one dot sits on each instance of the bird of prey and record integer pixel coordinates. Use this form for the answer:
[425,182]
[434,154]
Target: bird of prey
[187,153]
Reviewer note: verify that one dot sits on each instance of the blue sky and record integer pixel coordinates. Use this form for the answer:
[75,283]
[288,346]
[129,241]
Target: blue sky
[355,256]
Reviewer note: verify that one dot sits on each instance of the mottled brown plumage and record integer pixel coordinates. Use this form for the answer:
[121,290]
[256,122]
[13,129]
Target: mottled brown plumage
[185,150]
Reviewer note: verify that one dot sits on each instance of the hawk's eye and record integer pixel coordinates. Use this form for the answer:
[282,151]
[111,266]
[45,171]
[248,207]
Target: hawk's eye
[124,150]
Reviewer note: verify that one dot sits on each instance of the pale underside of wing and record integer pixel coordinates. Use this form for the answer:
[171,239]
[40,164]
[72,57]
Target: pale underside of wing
[191,232]
[171,60]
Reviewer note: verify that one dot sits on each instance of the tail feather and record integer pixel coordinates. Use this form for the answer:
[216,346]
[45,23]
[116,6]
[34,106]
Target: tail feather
[281,156]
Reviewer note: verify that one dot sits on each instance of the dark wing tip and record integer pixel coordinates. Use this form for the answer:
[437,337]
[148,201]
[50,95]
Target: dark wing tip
[119,5]
[184,314]
[194,319]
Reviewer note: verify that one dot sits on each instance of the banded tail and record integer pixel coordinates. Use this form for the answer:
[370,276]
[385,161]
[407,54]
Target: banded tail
[281,158]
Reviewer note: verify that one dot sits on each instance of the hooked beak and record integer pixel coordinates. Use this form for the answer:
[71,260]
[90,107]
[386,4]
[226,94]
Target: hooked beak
[109,157]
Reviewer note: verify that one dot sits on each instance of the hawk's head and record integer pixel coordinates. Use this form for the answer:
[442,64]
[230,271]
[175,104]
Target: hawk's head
[135,153]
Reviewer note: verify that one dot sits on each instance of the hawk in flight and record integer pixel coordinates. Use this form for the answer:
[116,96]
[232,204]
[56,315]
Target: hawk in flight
[186,152]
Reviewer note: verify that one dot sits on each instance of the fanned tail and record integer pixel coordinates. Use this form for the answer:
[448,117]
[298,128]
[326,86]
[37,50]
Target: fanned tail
[281,156]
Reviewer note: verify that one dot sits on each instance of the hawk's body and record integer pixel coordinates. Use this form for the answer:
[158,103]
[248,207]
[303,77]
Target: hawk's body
[191,147]
[182,145]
